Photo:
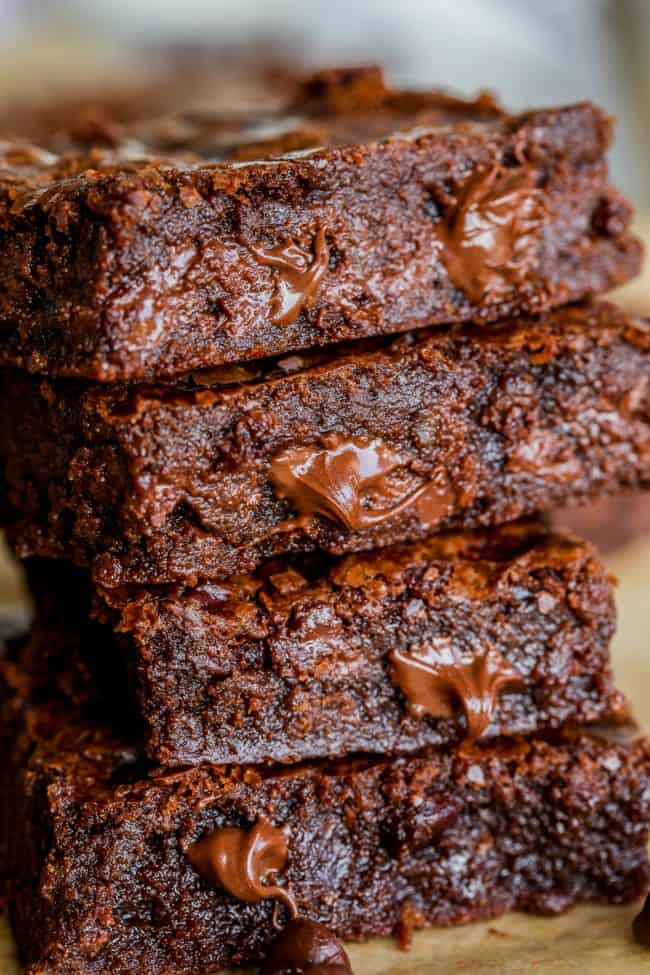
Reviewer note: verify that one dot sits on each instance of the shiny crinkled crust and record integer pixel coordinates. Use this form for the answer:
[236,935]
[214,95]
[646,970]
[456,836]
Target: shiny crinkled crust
[141,260]
[96,846]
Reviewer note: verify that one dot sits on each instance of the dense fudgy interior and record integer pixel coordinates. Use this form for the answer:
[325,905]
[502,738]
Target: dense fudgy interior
[313,658]
[457,429]
[99,875]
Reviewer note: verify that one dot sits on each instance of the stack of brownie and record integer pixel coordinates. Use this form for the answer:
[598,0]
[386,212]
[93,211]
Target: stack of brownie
[284,404]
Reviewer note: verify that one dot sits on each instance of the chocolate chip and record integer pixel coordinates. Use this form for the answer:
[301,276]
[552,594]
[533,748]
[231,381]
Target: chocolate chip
[306,948]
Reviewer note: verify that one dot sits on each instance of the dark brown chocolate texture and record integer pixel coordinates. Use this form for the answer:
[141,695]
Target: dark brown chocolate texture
[351,449]
[333,480]
[306,948]
[489,244]
[299,274]
[311,661]
[94,843]
[435,680]
[209,241]
[298,660]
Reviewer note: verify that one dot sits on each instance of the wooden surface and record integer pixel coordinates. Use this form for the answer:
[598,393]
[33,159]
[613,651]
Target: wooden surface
[589,940]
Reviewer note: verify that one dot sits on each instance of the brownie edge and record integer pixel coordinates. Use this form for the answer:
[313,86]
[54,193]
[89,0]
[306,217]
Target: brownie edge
[104,875]
[362,447]
[501,632]
[116,267]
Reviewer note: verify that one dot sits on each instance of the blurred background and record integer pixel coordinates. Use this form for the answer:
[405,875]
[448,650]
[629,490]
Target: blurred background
[529,52]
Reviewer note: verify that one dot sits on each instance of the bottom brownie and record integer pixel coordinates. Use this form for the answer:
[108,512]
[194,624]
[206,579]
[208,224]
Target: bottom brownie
[113,867]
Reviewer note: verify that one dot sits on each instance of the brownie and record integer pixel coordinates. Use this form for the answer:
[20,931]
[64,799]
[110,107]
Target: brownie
[361,211]
[455,638]
[364,447]
[172,91]
[112,867]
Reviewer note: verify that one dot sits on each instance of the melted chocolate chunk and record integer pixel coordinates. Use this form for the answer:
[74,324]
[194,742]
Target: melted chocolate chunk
[435,680]
[490,244]
[437,500]
[641,925]
[306,948]
[299,275]
[333,481]
[244,862]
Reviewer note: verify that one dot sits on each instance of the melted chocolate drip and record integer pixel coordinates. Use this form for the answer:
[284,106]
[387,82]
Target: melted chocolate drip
[306,948]
[489,245]
[299,275]
[435,680]
[333,481]
[244,862]
[641,925]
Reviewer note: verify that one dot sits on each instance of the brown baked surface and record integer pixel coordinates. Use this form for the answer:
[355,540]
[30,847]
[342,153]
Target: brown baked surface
[95,847]
[358,211]
[442,430]
[455,638]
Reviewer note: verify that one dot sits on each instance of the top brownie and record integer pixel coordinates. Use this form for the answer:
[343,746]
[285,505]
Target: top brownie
[145,249]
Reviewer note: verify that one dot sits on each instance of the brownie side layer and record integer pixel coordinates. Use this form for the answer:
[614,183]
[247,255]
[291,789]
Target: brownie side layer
[99,855]
[437,431]
[456,638]
[416,209]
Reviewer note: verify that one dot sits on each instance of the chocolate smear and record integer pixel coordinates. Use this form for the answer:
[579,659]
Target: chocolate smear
[244,862]
[299,275]
[436,680]
[489,244]
[333,481]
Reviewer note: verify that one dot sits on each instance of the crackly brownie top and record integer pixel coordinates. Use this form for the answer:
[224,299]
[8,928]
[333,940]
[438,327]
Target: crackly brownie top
[335,107]
[480,558]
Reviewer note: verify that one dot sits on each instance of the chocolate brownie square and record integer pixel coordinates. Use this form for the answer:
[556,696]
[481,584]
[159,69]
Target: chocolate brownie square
[345,450]
[358,211]
[452,639]
[114,867]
